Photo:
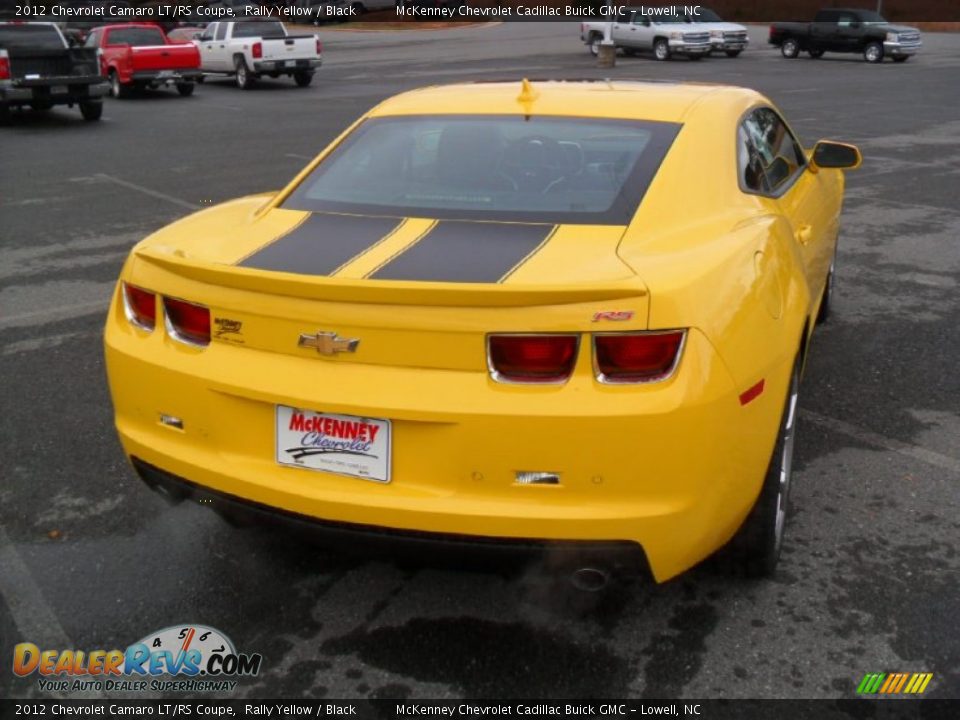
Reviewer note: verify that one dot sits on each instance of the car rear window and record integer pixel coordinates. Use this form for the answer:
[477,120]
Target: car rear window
[135,37]
[265,30]
[493,167]
[35,37]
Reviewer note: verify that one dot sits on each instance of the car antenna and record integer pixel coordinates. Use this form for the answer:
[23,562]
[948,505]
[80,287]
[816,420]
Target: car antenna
[526,97]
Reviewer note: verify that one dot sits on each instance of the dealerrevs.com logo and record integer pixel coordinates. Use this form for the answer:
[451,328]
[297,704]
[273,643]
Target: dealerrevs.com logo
[180,658]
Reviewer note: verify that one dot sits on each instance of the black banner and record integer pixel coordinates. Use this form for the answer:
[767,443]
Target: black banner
[444,11]
[886,709]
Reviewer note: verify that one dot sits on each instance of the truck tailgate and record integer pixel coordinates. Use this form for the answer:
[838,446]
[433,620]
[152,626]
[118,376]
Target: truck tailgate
[166,57]
[291,48]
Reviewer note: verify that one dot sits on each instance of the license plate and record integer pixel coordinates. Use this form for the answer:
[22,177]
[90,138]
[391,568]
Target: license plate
[290,63]
[164,74]
[342,444]
[59,90]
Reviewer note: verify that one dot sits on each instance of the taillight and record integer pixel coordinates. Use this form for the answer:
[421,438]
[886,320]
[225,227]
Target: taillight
[257,50]
[187,322]
[140,306]
[772,31]
[532,358]
[4,66]
[319,47]
[636,357]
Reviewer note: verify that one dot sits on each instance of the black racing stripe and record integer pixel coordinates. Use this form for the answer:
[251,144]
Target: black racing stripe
[321,243]
[457,251]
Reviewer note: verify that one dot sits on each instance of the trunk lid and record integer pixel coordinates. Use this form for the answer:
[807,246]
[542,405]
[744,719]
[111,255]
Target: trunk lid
[165,57]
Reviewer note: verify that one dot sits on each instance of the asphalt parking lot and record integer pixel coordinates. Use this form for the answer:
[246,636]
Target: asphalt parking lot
[89,558]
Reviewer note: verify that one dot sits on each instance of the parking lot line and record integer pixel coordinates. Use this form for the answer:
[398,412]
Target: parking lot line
[148,191]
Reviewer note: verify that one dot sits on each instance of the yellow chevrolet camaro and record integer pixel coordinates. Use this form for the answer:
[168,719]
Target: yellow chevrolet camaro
[566,315]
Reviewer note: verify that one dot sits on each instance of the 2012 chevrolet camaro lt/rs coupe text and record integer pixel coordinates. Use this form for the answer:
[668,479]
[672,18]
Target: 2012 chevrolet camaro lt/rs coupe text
[557,313]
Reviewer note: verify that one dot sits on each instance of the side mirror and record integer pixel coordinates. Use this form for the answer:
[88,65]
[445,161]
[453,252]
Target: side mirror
[828,154]
[203,38]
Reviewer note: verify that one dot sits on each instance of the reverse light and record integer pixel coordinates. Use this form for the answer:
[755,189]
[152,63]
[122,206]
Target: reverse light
[257,50]
[187,322]
[140,307]
[319,47]
[636,357]
[531,358]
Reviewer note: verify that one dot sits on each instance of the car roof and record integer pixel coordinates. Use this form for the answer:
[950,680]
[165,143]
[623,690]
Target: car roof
[622,99]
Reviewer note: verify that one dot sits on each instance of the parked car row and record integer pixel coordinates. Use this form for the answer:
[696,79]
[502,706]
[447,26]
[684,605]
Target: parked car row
[41,68]
[675,30]
[668,31]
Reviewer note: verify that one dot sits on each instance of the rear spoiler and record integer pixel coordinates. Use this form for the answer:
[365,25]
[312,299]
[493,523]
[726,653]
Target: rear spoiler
[386,292]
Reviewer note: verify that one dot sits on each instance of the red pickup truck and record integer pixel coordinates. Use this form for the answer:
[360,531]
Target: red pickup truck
[140,55]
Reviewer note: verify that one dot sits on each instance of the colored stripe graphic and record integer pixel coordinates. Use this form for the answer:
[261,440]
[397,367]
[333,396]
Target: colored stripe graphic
[894,683]
[470,252]
[321,244]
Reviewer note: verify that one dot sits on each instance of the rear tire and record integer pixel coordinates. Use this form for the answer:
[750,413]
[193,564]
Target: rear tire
[4,113]
[873,52]
[185,89]
[593,43]
[245,79]
[661,49]
[91,110]
[755,549]
[117,89]
[303,79]
[790,48]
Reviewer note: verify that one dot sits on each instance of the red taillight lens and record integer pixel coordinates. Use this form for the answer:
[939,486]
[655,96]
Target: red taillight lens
[140,306]
[319,47]
[187,322]
[636,357]
[257,50]
[532,358]
[4,67]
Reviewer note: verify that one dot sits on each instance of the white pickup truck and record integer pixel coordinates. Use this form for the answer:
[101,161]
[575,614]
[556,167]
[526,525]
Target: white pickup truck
[650,29]
[250,49]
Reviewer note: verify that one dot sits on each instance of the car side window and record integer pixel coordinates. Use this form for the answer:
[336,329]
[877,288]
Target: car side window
[221,31]
[845,20]
[769,156]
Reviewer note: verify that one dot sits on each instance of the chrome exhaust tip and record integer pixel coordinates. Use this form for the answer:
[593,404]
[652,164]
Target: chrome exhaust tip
[589,579]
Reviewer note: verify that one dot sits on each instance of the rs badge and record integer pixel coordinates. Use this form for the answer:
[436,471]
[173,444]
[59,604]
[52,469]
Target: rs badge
[614,315]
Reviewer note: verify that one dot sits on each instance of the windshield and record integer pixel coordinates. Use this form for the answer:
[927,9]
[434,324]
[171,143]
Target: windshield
[704,15]
[540,169]
[265,30]
[136,37]
[24,36]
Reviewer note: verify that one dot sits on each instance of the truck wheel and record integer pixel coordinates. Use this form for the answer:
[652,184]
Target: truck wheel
[790,48]
[593,43]
[4,113]
[244,76]
[185,89]
[91,110]
[815,53]
[303,78]
[661,49]
[873,52]
[733,53]
[755,549]
[117,88]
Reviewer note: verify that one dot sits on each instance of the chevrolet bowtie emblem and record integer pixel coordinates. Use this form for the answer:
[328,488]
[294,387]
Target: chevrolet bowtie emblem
[328,343]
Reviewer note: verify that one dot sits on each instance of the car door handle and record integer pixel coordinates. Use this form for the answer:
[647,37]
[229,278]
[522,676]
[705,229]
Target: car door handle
[804,234]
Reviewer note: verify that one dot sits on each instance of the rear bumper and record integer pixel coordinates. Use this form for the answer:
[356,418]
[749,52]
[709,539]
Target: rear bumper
[58,91]
[283,66]
[623,557]
[671,468]
[161,77]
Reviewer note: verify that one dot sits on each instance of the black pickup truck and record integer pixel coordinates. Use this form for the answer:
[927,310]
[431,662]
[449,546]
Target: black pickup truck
[847,31]
[39,70]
